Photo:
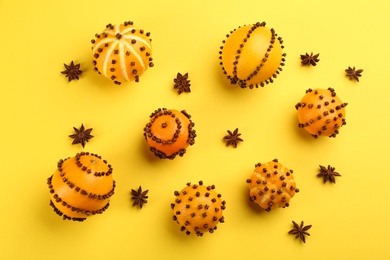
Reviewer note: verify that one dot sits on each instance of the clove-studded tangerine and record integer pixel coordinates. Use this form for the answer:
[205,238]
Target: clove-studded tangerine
[122,52]
[272,185]
[169,132]
[198,208]
[321,112]
[81,186]
[252,55]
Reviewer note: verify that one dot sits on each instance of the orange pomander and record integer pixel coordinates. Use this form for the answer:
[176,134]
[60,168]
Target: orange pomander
[169,133]
[198,208]
[321,112]
[271,185]
[81,186]
[122,52]
[252,55]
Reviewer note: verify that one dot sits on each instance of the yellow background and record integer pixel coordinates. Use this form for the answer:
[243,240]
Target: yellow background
[39,109]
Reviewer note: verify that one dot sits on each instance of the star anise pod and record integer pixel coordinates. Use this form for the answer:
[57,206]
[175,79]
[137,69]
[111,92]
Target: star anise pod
[353,73]
[233,138]
[139,197]
[328,173]
[310,59]
[300,231]
[182,84]
[81,135]
[72,71]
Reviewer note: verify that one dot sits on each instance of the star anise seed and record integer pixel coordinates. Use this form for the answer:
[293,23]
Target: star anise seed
[353,73]
[233,138]
[182,84]
[139,197]
[300,231]
[72,71]
[328,174]
[310,59]
[81,135]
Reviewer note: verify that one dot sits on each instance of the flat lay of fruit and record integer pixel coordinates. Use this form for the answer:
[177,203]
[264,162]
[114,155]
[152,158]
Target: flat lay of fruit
[194,129]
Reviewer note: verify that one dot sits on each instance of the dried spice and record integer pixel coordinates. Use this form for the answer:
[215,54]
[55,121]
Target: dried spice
[300,231]
[72,71]
[353,73]
[328,174]
[233,138]
[182,84]
[81,135]
[139,197]
[310,59]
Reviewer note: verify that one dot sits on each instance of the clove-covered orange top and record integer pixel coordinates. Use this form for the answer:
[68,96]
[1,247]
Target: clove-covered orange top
[122,52]
[198,208]
[321,112]
[272,185]
[169,133]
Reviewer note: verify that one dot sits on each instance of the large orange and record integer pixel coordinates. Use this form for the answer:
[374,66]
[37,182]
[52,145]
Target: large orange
[252,55]
[169,132]
[122,52]
[81,186]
